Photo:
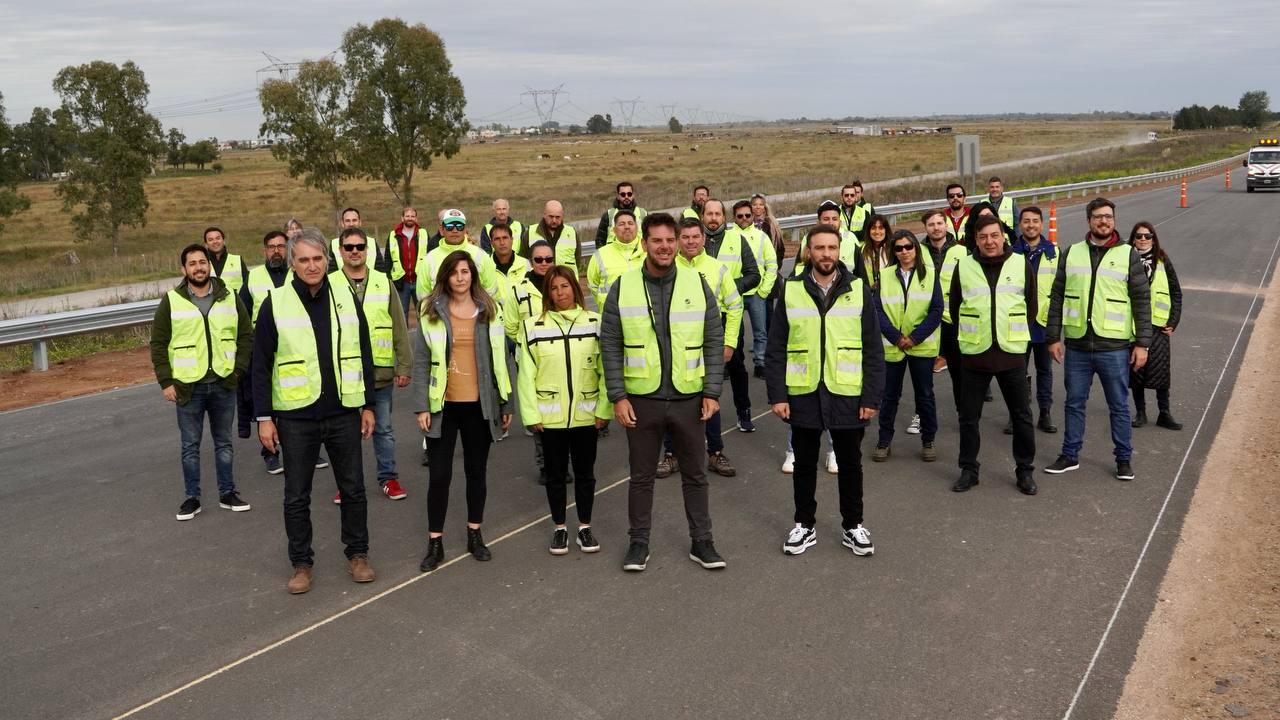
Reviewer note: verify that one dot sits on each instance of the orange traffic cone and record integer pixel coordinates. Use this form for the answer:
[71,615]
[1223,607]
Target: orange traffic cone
[1228,179]
[1053,222]
[1183,201]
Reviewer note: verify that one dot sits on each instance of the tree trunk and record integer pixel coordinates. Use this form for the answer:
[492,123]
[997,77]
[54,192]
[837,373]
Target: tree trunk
[115,241]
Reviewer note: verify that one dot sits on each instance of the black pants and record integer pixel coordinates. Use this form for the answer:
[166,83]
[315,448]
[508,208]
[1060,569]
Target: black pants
[644,442]
[465,419]
[1016,393]
[559,446]
[244,407]
[951,351]
[1140,398]
[848,448]
[1044,374]
[301,441]
[736,369]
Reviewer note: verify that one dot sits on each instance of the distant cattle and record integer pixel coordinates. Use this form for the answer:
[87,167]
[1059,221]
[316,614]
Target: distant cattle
[675,147]
[693,149]
[544,156]
[566,157]
[635,151]
[734,147]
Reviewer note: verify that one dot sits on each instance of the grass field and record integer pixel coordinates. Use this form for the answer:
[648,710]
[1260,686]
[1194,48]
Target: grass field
[254,194]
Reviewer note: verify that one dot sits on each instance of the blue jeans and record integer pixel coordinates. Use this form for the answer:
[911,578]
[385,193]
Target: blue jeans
[922,383]
[756,311]
[384,442]
[220,404]
[1112,368]
[408,292]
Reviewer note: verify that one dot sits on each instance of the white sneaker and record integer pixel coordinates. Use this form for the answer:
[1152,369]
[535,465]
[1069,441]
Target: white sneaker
[914,427]
[789,463]
[799,539]
[859,541]
[832,466]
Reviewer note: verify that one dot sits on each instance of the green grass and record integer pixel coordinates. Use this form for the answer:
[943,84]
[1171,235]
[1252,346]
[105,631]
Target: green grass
[18,357]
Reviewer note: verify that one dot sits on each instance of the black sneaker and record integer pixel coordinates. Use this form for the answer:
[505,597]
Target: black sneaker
[321,462]
[273,465]
[760,371]
[799,539]
[704,553]
[190,508]
[859,541]
[587,541]
[1061,465]
[231,501]
[1124,471]
[637,558]
[744,422]
[560,542]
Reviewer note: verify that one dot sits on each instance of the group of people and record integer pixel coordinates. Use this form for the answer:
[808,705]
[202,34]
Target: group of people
[311,344]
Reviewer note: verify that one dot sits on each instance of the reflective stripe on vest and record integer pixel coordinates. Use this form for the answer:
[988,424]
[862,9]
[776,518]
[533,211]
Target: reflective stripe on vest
[730,254]
[1005,210]
[260,284]
[1107,310]
[977,325]
[642,357]
[377,314]
[295,378]
[907,312]
[640,214]
[517,235]
[191,333]
[945,274]
[564,383]
[232,274]
[824,349]
[1161,300]
[1046,271]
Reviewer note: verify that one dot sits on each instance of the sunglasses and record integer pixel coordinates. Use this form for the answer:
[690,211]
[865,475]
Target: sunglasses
[544,260]
[355,248]
[955,195]
[1143,236]
[455,226]
[744,216]
[903,248]
[622,194]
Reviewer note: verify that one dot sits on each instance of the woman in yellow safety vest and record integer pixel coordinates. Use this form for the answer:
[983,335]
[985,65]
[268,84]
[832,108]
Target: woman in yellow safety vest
[460,387]
[563,399]
[1166,312]
[875,248]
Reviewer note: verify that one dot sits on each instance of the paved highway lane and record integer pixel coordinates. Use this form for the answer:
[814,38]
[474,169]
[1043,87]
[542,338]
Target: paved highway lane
[986,604]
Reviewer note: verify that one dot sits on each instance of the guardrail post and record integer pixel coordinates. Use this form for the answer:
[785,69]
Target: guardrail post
[40,356]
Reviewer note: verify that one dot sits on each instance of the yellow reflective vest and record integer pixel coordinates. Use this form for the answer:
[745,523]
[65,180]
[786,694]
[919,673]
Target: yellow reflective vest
[850,246]
[295,376]
[198,344]
[1161,300]
[523,300]
[1003,318]
[823,348]
[377,313]
[640,214]
[718,279]
[430,267]
[260,285]
[609,263]
[642,357]
[232,274]
[561,376]
[1107,308]
[566,248]
[908,310]
[765,254]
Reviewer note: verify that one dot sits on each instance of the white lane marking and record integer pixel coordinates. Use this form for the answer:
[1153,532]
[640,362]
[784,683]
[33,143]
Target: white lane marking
[1164,506]
[367,601]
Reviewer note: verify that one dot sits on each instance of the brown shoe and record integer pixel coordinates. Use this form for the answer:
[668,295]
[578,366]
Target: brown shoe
[359,570]
[720,465]
[301,580]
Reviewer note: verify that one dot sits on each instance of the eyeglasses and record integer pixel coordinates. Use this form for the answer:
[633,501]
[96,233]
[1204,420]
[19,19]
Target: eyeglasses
[630,194]
[355,248]
[955,195]
[544,260]
[1099,216]
[903,248]
[1143,236]
[275,247]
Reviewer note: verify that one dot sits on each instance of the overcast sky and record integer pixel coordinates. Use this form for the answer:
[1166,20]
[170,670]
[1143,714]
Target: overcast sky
[747,58]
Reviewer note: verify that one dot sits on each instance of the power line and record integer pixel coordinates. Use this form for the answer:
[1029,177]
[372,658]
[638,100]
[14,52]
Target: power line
[548,115]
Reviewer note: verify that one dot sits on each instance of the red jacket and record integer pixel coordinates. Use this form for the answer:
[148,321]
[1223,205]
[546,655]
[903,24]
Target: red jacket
[408,251]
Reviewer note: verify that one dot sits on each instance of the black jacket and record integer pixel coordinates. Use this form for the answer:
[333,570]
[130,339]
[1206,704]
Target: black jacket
[821,409]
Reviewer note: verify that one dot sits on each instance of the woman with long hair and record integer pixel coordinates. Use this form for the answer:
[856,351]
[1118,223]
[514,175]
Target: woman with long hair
[1166,313]
[460,387]
[763,219]
[875,249]
[563,399]
[909,305]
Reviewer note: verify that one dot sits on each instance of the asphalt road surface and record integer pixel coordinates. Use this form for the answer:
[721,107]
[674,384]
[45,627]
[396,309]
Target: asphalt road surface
[987,604]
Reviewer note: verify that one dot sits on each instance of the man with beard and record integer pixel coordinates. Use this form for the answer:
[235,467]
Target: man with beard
[625,200]
[825,372]
[957,213]
[223,264]
[700,195]
[407,246]
[200,340]
[854,208]
[377,259]
[736,255]
[562,238]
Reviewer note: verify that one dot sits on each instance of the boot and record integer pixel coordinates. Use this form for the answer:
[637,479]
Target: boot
[435,554]
[1139,418]
[1046,423]
[1165,420]
[476,546]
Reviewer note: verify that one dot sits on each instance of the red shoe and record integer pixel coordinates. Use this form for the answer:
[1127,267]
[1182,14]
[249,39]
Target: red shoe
[337,498]
[393,490]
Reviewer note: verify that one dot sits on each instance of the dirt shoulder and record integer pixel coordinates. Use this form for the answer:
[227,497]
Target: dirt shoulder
[1211,648]
[73,378]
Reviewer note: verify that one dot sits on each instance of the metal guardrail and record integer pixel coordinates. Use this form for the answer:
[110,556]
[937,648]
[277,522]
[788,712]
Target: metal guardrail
[39,329]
